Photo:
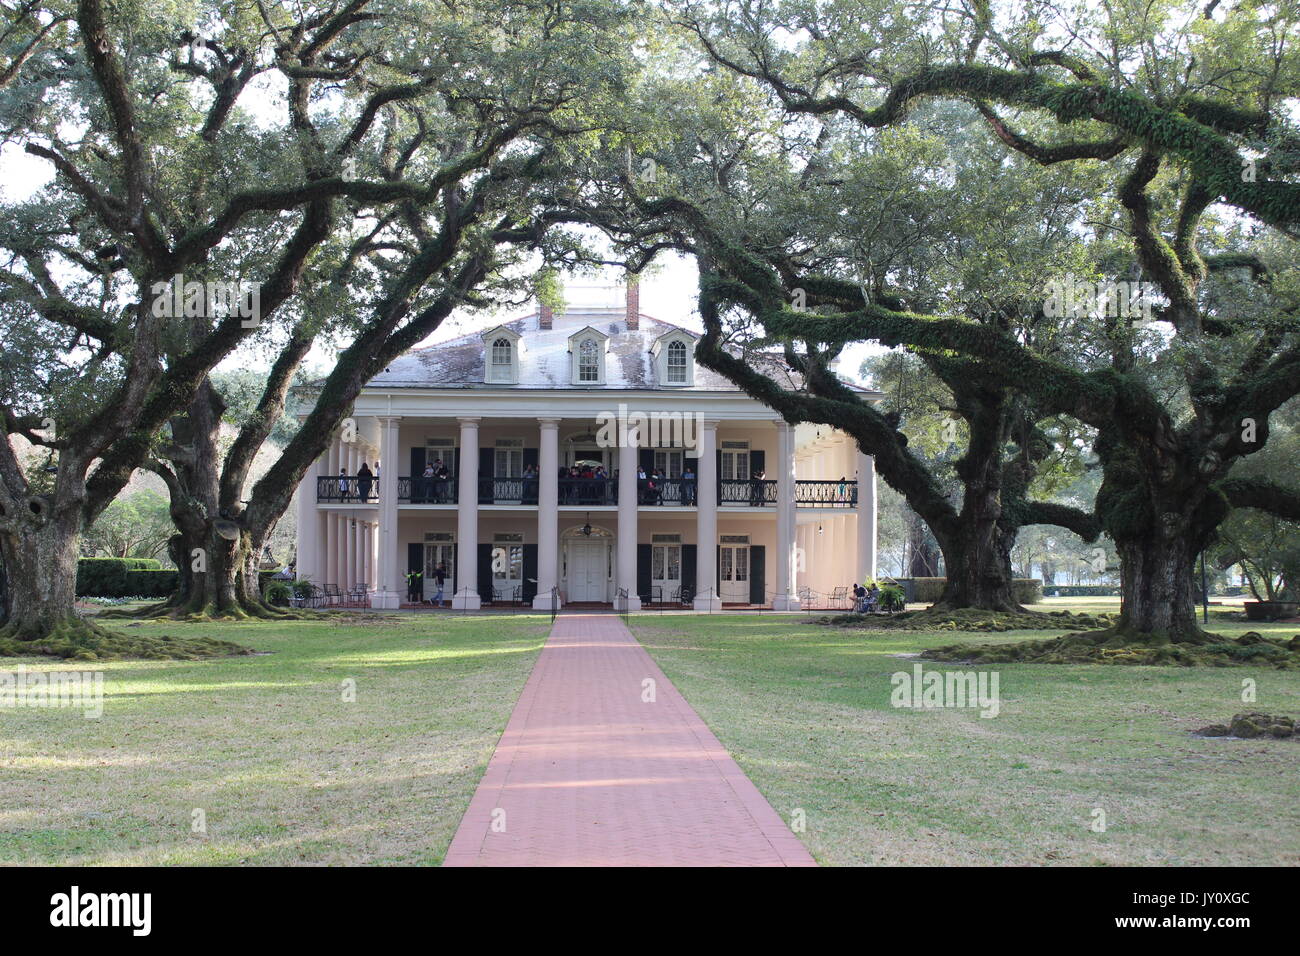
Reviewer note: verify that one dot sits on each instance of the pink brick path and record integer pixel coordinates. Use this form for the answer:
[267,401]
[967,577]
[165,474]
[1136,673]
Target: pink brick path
[590,775]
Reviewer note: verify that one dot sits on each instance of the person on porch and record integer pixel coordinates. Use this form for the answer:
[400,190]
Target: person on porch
[440,578]
[343,484]
[756,488]
[365,480]
[414,586]
[688,485]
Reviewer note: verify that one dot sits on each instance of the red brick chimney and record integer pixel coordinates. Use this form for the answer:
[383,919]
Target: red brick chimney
[633,303]
[545,318]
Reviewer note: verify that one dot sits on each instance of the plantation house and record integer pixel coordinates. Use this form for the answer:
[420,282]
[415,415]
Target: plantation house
[736,506]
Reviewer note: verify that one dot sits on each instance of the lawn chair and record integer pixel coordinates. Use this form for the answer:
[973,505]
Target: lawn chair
[839,599]
[333,596]
[808,598]
[358,594]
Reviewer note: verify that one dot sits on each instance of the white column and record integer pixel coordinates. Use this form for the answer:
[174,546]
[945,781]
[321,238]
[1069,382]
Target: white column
[548,512]
[706,522]
[331,549]
[467,597]
[625,563]
[787,594]
[866,550]
[389,587]
[307,547]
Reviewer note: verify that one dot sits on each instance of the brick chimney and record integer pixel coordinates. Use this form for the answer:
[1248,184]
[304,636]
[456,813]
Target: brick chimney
[633,303]
[545,318]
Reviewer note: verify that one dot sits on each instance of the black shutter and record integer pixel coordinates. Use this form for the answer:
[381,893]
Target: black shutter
[485,573]
[419,487]
[717,574]
[757,461]
[486,463]
[643,559]
[530,571]
[414,562]
[757,574]
[689,566]
[530,457]
[646,459]
[718,472]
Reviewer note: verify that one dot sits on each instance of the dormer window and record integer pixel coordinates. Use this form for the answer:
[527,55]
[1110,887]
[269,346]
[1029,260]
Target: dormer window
[674,355]
[588,361]
[501,356]
[587,349]
[676,363]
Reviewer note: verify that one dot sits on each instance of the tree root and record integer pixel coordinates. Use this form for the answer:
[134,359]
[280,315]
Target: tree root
[1123,646]
[940,618]
[79,639]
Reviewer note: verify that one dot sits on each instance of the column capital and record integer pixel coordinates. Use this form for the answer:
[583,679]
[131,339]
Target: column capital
[469,419]
[549,423]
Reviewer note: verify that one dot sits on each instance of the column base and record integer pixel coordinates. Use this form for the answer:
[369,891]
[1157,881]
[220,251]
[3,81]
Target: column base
[786,602]
[632,603]
[467,602]
[385,600]
[709,602]
[542,602]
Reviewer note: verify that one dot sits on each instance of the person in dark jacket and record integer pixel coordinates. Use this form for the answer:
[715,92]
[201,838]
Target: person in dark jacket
[365,481]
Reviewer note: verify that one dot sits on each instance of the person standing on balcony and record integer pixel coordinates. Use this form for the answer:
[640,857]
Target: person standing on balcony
[343,484]
[756,488]
[688,486]
[365,479]
[426,479]
[530,484]
[441,483]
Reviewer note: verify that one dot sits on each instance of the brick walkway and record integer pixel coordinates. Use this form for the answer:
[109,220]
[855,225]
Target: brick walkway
[588,774]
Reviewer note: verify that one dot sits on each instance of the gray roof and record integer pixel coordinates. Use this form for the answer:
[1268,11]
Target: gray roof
[544,358]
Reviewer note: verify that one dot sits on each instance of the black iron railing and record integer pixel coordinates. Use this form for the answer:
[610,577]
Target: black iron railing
[588,491]
[826,494]
[427,491]
[499,491]
[755,492]
[347,490]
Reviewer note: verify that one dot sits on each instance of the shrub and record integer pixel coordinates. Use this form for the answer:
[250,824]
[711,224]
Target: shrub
[277,593]
[152,582]
[106,577]
[929,590]
[1081,590]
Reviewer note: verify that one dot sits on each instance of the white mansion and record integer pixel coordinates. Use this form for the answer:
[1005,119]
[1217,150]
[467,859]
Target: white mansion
[544,459]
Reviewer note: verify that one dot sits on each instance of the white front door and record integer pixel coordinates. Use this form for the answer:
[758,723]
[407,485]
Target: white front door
[665,571]
[435,554]
[586,578]
[733,573]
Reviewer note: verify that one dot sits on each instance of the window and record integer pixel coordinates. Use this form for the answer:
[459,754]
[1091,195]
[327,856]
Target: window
[676,363]
[502,354]
[509,457]
[502,348]
[589,361]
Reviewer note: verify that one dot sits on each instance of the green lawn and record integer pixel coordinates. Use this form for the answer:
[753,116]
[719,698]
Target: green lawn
[285,771]
[806,711]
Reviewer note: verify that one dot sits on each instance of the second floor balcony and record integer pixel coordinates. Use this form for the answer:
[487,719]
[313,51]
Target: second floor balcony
[589,492]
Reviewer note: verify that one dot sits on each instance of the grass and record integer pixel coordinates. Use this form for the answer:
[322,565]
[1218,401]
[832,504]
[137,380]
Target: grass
[284,771]
[805,709]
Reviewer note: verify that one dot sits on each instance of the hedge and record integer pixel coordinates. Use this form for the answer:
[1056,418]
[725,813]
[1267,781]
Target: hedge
[1082,590]
[124,577]
[929,590]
